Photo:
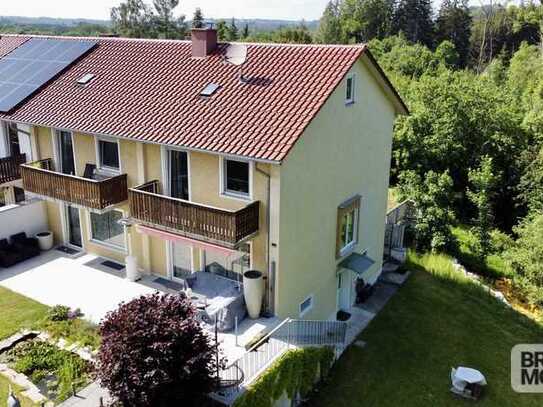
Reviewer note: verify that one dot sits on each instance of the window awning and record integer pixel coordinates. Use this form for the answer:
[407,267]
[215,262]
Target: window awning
[181,239]
[359,263]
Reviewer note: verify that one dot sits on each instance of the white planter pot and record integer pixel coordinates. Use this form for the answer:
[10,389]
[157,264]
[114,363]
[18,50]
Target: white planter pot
[132,273]
[45,240]
[253,291]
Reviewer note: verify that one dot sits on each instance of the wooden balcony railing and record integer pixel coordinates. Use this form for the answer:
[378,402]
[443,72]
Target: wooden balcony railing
[40,178]
[10,168]
[220,226]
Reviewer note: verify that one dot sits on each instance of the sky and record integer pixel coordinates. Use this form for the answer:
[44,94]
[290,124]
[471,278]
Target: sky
[99,9]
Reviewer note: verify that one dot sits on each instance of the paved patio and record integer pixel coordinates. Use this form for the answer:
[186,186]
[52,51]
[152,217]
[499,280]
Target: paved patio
[55,278]
[84,282]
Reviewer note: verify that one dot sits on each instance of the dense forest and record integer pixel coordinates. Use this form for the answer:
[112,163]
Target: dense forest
[470,153]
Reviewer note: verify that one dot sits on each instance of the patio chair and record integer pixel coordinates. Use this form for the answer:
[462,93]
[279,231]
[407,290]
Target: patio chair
[9,256]
[90,171]
[27,246]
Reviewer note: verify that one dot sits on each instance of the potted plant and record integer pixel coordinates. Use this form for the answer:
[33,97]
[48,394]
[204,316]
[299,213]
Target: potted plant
[45,240]
[253,291]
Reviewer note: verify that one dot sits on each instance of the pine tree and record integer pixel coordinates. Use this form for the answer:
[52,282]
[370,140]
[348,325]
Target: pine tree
[245,32]
[222,30]
[198,18]
[330,24]
[454,24]
[233,32]
[414,19]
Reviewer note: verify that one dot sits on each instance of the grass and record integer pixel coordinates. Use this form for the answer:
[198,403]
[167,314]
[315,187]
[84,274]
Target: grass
[4,389]
[438,320]
[494,266]
[18,312]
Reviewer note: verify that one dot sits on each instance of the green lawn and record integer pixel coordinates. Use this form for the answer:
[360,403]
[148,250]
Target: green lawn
[436,321]
[18,312]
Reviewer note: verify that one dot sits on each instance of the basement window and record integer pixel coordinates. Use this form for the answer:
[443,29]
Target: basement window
[306,305]
[210,89]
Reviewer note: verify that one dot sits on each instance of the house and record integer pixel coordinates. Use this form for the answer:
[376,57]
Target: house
[279,165]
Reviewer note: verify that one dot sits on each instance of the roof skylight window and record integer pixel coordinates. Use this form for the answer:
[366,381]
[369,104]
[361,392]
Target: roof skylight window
[85,79]
[210,89]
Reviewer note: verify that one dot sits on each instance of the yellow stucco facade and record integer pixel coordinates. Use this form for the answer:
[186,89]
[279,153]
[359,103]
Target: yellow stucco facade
[345,151]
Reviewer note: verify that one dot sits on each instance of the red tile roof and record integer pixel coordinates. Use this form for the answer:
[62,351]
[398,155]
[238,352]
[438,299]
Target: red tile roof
[148,90]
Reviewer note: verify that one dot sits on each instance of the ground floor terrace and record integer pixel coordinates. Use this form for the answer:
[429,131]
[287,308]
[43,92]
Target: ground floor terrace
[96,286]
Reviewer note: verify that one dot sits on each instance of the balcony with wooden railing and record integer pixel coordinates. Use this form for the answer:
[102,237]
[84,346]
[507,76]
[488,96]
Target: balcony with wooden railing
[10,168]
[40,178]
[220,226]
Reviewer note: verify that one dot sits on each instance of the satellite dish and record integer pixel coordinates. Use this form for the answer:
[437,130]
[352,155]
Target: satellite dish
[236,54]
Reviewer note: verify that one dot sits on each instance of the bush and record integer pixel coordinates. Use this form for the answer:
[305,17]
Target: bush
[526,258]
[38,359]
[155,353]
[58,313]
[500,241]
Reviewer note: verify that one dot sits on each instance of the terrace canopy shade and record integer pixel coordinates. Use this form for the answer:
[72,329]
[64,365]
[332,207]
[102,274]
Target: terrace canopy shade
[359,263]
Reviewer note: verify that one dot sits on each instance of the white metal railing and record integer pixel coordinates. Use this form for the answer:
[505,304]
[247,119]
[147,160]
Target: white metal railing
[287,335]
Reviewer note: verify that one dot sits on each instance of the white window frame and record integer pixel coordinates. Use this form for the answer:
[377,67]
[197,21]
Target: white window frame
[165,156]
[222,174]
[104,168]
[349,247]
[170,261]
[21,128]
[110,246]
[352,99]
[4,145]
[311,299]
[63,207]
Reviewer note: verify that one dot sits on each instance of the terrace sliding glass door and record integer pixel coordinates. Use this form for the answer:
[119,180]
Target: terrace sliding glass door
[66,152]
[179,175]
[182,261]
[73,225]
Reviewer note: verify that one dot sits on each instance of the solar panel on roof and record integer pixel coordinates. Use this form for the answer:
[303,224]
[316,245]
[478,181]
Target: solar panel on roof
[30,66]
[210,89]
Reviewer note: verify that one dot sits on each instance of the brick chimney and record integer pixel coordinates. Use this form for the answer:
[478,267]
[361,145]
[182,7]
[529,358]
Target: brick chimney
[204,41]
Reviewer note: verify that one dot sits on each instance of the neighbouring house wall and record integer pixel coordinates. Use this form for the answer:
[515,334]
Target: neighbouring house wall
[29,218]
[54,221]
[344,151]
[205,188]
[158,256]
[153,169]
[129,162]
[84,152]
[44,140]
